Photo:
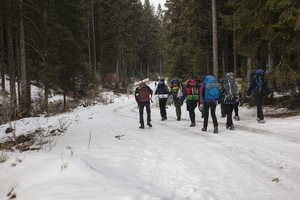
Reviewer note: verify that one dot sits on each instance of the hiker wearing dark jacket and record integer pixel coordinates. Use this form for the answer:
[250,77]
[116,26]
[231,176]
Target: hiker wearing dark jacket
[177,94]
[240,102]
[191,94]
[162,92]
[143,95]
[221,101]
[259,88]
[209,95]
[230,93]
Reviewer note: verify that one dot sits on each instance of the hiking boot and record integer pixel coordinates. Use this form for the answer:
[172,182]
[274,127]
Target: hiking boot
[204,129]
[149,124]
[193,124]
[216,130]
[237,118]
[261,121]
[142,126]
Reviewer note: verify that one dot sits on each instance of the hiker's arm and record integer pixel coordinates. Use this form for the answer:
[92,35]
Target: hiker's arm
[136,94]
[201,96]
[151,91]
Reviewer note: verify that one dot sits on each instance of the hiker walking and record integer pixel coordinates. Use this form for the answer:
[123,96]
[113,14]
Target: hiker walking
[209,95]
[177,94]
[192,95]
[162,92]
[221,101]
[240,99]
[230,93]
[259,87]
[143,95]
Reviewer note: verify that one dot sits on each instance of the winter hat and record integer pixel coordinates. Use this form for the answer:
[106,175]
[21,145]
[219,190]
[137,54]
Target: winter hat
[192,82]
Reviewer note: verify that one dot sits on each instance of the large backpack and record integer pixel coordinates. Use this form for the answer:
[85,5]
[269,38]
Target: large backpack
[231,88]
[175,86]
[258,78]
[144,94]
[212,88]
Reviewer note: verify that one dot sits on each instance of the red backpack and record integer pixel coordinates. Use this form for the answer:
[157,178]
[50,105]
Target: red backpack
[144,94]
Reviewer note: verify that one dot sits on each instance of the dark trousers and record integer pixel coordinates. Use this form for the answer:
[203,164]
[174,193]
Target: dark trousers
[229,109]
[191,105]
[236,109]
[162,107]
[223,111]
[148,110]
[259,99]
[212,106]
[177,103]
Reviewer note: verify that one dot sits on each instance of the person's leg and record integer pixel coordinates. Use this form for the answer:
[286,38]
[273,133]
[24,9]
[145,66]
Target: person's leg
[191,109]
[178,110]
[223,109]
[259,102]
[226,109]
[261,107]
[164,111]
[236,109]
[192,113]
[148,109]
[205,115]
[213,114]
[141,111]
[229,123]
[161,107]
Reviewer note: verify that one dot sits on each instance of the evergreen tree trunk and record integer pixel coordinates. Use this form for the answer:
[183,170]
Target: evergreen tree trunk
[234,50]
[270,57]
[148,70]
[89,43]
[160,63]
[29,92]
[215,39]
[223,61]
[44,53]
[141,70]
[94,39]
[65,100]
[25,106]
[249,69]
[46,99]
[2,76]
[2,64]
[11,63]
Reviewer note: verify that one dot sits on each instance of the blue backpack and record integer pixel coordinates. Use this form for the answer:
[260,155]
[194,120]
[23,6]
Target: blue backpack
[212,88]
[258,78]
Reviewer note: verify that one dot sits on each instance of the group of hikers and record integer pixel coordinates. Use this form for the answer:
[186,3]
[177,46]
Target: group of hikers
[205,94]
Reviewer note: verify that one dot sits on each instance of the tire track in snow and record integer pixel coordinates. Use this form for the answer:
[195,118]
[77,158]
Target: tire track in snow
[241,157]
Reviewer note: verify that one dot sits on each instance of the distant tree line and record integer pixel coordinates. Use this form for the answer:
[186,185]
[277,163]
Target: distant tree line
[69,45]
[251,34]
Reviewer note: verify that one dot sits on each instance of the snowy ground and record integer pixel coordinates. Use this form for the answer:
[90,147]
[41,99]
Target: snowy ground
[170,161]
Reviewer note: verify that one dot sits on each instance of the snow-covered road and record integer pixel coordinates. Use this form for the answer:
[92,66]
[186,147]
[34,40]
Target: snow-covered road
[170,161]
